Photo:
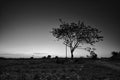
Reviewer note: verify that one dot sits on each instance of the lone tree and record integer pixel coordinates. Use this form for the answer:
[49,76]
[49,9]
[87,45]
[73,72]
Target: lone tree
[76,34]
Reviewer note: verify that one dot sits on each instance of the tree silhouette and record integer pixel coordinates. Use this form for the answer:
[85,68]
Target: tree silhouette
[76,34]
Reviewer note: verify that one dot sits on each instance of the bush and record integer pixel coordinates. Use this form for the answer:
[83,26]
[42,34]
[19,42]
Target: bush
[49,57]
[115,55]
[93,55]
[56,57]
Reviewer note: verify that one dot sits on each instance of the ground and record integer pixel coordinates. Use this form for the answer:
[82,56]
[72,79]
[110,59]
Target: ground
[49,69]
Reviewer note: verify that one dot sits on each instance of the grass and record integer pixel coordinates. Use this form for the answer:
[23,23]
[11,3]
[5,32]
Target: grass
[48,69]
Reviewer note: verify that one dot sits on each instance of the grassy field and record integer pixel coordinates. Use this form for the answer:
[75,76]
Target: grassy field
[52,69]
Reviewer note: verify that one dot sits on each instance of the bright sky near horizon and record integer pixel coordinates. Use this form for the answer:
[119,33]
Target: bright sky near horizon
[25,26]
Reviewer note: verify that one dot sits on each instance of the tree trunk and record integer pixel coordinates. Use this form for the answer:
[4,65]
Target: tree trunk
[72,50]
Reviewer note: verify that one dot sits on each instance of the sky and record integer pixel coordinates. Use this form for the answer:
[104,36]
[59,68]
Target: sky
[25,26]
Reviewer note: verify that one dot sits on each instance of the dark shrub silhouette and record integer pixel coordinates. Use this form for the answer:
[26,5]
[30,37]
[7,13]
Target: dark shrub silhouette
[32,57]
[56,57]
[75,34]
[49,57]
[115,55]
[93,55]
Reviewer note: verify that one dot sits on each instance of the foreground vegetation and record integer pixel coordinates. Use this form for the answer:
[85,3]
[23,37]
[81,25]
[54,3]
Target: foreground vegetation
[56,69]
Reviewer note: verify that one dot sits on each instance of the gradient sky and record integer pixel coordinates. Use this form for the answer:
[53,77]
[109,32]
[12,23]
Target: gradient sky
[25,26]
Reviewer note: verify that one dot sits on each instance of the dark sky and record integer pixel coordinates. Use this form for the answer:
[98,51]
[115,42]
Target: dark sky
[25,25]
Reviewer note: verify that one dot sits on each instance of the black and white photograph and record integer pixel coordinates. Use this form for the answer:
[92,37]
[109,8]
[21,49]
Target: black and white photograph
[59,40]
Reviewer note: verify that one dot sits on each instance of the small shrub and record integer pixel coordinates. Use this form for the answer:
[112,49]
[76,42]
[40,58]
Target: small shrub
[93,55]
[115,55]
[49,57]
[56,57]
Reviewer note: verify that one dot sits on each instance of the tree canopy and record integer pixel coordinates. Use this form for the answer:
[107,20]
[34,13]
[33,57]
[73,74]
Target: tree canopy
[74,34]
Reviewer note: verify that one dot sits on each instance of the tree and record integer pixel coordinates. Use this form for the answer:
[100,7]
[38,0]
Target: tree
[76,34]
